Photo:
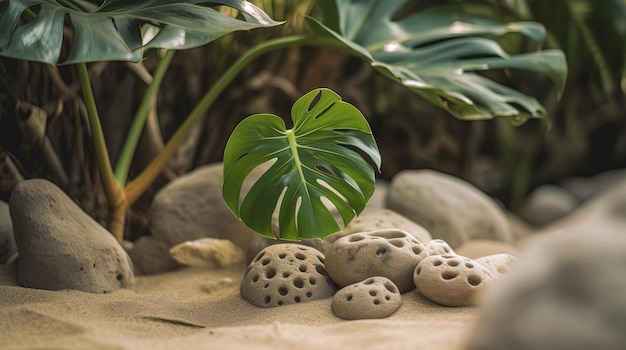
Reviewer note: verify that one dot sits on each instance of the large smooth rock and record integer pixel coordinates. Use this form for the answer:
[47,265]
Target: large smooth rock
[7,243]
[449,208]
[189,208]
[567,289]
[60,246]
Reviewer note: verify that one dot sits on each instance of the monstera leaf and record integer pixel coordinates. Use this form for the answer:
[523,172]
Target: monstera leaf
[119,29]
[439,50]
[322,156]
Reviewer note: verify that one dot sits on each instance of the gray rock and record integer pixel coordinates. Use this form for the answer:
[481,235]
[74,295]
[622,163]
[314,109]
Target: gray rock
[449,208]
[547,203]
[61,247]
[452,280]
[567,291]
[373,219]
[151,255]
[191,207]
[585,188]
[8,249]
[284,274]
[375,297]
[389,253]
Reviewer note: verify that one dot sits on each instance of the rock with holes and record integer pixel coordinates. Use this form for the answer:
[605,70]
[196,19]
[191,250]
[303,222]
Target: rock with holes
[388,253]
[372,219]
[285,274]
[449,208]
[497,264]
[452,280]
[60,246]
[438,247]
[375,297]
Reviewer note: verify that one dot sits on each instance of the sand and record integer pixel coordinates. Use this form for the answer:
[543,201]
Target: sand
[196,308]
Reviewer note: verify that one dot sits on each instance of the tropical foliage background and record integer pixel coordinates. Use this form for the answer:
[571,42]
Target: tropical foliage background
[584,131]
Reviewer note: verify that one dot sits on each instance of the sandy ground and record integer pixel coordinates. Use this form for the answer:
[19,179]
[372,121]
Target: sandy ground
[196,308]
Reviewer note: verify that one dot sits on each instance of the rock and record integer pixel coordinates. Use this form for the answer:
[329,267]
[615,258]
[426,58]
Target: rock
[151,255]
[438,247]
[447,207]
[497,264]
[61,247]
[380,194]
[547,203]
[477,248]
[567,291]
[373,219]
[189,208]
[284,274]
[8,249]
[208,252]
[375,297]
[389,253]
[585,188]
[452,280]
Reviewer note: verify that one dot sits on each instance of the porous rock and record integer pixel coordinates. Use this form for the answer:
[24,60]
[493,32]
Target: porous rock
[8,249]
[284,274]
[372,219]
[189,208]
[60,246]
[452,280]
[375,297]
[208,252]
[497,264]
[448,207]
[438,247]
[389,253]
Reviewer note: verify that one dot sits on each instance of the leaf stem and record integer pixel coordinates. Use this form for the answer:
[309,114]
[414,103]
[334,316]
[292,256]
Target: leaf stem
[112,189]
[149,98]
[140,184]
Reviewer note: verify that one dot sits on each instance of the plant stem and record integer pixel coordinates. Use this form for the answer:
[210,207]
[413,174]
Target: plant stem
[126,156]
[140,184]
[112,189]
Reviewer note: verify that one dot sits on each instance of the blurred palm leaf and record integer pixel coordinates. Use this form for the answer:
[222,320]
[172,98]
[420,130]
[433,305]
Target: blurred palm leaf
[439,50]
[116,31]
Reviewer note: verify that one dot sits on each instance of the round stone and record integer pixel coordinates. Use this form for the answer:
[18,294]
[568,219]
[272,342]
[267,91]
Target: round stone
[284,274]
[375,297]
[389,253]
[452,280]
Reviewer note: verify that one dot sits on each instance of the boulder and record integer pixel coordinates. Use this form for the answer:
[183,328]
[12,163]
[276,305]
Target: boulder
[373,219]
[548,203]
[375,297]
[189,208]
[60,246]
[208,252]
[447,207]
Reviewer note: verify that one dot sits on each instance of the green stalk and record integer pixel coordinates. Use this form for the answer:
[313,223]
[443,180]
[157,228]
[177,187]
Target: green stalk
[140,184]
[128,150]
[112,189]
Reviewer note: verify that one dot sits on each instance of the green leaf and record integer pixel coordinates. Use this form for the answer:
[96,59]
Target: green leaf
[321,157]
[440,50]
[113,32]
